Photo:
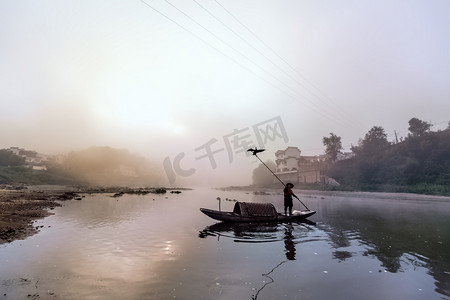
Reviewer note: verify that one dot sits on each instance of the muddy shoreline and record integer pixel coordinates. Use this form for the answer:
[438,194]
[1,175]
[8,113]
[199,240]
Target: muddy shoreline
[21,206]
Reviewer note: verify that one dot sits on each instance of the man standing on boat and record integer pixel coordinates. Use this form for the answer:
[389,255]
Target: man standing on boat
[288,193]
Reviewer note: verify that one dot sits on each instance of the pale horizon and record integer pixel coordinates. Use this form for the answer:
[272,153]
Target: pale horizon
[161,78]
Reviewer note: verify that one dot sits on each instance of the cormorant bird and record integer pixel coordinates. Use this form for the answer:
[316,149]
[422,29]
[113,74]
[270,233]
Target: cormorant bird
[256,150]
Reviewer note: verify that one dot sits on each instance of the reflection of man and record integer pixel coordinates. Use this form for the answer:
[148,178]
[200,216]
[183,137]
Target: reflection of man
[289,243]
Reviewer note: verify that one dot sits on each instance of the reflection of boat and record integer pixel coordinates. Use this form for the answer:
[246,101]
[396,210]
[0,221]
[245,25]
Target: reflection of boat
[243,232]
[262,232]
[246,227]
[258,232]
[255,212]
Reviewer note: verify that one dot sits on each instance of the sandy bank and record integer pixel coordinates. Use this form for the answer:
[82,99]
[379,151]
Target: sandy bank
[20,207]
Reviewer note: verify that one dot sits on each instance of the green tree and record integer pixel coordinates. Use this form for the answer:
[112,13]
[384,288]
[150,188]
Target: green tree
[374,141]
[418,127]
[419,165]
[7,158]
[333,146]
[262,176]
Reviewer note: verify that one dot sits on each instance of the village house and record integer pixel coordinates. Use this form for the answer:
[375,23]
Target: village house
[295,168]
[33,159]
[15,150]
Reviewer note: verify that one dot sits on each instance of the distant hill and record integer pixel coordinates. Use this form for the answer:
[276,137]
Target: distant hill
[15,170]
[22,175]
[110,166]
[93,166]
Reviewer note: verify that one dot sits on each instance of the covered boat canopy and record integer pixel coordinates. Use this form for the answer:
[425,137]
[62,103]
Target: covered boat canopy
[255,209]
[254,212]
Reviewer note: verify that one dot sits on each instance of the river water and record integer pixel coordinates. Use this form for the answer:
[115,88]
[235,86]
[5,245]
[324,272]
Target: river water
[358,246]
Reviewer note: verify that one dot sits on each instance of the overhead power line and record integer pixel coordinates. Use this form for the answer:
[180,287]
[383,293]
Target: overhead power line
[321,93]
[213,47]
[310,104]
[317,108]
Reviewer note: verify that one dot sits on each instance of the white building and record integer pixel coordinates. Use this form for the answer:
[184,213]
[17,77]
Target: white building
[287,160]
[15,150]
[33,159]
[292,167]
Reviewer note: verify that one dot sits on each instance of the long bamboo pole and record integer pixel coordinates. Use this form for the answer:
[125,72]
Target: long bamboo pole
[255,151]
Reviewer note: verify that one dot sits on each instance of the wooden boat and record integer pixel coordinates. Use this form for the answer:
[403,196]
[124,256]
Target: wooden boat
[255,212]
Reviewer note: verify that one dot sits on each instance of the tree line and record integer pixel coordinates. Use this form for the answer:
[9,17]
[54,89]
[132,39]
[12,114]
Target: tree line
[418,163]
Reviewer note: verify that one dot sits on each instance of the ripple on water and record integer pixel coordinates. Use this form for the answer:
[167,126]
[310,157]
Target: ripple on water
[101,248]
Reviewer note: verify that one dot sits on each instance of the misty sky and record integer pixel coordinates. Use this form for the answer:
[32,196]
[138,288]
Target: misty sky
[162,78]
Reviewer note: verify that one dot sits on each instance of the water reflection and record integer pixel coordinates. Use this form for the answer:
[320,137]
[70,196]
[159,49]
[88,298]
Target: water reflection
[290,233]
[141,248]
[261,233]
[289,242]
[403,235]
[243,232]
[342,255]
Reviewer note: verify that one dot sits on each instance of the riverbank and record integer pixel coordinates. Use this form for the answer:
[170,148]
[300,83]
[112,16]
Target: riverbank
[317,193]
[19,209]
[21,206]
[418,189]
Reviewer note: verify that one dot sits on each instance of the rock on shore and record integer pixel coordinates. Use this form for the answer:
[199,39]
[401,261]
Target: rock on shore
[20,208]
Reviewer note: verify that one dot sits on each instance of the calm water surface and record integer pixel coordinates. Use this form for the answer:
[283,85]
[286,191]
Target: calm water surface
[360,246]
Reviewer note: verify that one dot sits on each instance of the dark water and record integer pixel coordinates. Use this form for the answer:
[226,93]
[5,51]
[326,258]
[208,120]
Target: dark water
[360,246]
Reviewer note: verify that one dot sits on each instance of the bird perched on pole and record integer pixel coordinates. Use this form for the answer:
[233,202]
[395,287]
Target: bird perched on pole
[256,150]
